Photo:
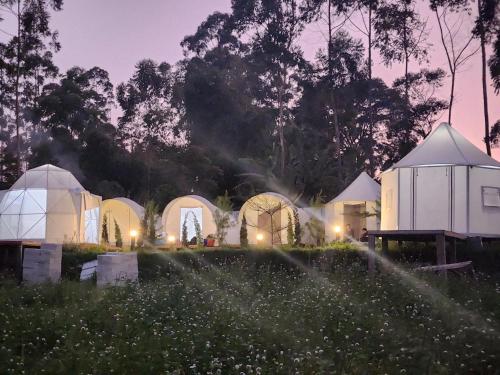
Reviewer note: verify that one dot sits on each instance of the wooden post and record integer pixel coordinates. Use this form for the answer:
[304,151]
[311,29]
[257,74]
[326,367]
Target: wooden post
[371,253]
[453,250]
[385,246]
[19,263]
[441,250]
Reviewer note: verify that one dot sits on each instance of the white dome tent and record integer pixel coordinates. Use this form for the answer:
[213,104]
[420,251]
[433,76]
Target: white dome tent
[267,217]
[356,206]
[445,183]
[128,215]
[187,209]
[48,204]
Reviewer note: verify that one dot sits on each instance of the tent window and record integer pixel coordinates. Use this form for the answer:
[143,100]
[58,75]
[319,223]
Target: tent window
[491,196]
[189,216]
[91,225]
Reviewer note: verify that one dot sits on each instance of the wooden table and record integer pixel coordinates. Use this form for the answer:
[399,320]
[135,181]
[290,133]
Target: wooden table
[440,237]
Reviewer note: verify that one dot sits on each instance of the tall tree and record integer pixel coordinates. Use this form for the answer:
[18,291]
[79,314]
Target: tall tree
[401,35]
[28,58]
[487,28]
[274,28]
[451,22]
[150,116]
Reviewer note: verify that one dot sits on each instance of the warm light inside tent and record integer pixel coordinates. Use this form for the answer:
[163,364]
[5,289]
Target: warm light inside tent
[260,236]
[133,233]
[171,239]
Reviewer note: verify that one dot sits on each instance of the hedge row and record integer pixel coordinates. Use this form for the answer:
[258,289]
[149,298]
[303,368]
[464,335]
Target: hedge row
[344,258]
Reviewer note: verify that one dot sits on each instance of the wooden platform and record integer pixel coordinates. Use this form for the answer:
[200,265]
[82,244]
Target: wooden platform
[440,237]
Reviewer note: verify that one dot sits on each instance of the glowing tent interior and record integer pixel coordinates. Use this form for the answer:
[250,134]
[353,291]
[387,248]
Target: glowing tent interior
[357,206]
[127,214]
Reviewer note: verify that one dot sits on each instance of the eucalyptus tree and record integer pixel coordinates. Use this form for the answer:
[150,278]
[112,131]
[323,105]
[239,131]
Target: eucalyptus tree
[274,28]
[400,35]
[150,114]
[66,111]
[27,59]
[459,47]
[487,29]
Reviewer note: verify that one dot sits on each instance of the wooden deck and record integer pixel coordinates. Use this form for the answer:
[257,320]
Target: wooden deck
[440,237]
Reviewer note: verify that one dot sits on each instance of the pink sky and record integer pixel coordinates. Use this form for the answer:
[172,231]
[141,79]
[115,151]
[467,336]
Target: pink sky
[115,34]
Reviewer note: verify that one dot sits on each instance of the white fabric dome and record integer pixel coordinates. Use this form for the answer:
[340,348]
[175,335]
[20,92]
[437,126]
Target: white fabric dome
[48,204]
[47,177]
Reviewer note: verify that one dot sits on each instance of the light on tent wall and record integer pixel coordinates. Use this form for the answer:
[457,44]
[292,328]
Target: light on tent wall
[171,239]
[260,237]
[133,233]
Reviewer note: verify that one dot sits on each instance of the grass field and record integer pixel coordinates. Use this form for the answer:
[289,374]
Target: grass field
[255,320]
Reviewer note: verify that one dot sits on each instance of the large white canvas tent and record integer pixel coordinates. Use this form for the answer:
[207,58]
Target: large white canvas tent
[48,204]
[357,206]
[267,217]
[445,183]
[127,214]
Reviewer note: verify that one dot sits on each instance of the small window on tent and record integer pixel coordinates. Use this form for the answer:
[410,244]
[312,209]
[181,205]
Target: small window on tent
[91,225]
[189,216]
[491,196]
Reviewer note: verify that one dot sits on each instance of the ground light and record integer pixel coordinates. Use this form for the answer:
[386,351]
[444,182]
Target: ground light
[171,240]
[337,229]
[133,236]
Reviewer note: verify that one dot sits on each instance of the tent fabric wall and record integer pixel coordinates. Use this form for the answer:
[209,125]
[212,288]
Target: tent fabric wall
[262,202]
[171,217]
[483,220]
[128,215]
[390,200]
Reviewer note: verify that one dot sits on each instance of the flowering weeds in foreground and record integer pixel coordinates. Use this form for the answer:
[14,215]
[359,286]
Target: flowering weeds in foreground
[231,319]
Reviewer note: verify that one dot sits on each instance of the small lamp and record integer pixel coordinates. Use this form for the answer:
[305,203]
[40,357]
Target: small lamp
[133,235]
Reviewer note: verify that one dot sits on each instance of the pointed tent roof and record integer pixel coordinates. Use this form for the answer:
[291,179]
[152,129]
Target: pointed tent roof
[48,177]
[446,146]
[363,188]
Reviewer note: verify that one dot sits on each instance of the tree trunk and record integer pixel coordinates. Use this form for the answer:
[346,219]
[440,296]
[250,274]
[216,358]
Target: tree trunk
[336,126]
[452,95]
[370,41]
[485,85]
[18,74]
[281,125]
[370,103]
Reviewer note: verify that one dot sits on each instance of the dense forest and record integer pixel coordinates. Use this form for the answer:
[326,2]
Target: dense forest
[244,111]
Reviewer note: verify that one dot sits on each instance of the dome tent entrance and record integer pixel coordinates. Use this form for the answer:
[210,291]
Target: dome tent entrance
[356,205]
[445,183]
[127,214]
[48,204]
[267,217]
[188,209]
